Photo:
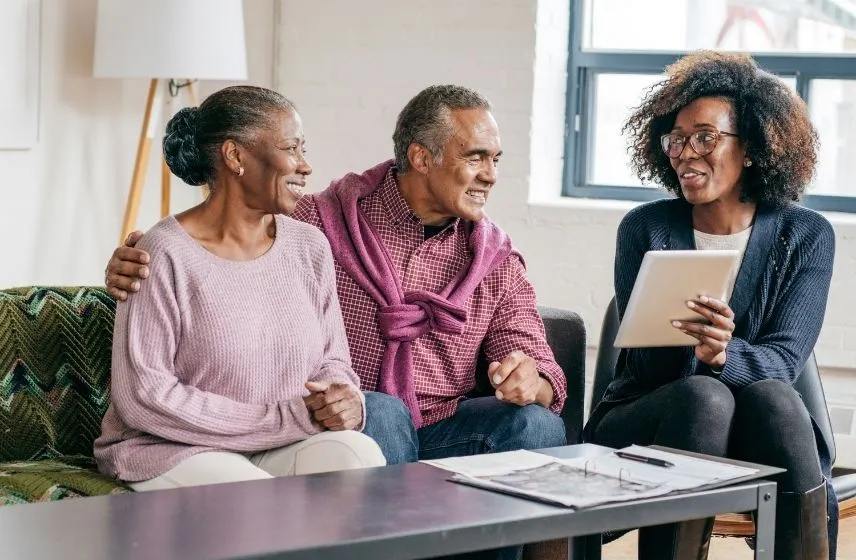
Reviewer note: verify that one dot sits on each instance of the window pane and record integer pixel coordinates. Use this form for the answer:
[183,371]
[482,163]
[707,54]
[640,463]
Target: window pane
[833,111]
[819,26]
[790,81]
[616,96]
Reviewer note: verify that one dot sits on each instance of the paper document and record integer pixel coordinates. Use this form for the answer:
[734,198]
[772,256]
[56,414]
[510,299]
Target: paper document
[588,481]
[688,472]
[492,463]
[564,484]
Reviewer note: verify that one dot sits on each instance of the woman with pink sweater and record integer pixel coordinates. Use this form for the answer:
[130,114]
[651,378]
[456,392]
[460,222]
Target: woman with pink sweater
[231,362]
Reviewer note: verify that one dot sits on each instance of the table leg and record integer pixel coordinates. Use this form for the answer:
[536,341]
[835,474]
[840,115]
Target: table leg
[584,548]
[765,521]
[577,548]
[594,546]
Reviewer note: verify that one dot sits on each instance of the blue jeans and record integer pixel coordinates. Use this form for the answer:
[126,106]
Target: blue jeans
[481,425]
[487,425]
[388,423]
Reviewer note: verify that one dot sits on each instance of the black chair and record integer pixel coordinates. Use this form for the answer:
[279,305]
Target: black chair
[566,335]
[808,385]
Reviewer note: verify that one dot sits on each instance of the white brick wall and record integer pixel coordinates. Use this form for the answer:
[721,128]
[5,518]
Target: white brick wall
[351,66]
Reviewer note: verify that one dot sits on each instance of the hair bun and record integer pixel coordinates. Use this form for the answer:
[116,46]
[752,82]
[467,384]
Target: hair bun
[181,150]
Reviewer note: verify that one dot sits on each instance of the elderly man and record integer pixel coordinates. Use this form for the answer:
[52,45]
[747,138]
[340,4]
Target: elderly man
[427,284]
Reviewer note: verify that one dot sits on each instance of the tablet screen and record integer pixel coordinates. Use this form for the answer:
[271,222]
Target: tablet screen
[666,281]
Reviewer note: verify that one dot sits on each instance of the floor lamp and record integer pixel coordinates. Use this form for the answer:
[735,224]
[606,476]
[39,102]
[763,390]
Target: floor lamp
[172,43]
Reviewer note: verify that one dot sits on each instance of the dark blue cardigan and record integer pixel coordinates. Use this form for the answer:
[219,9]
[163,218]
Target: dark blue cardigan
[779,298]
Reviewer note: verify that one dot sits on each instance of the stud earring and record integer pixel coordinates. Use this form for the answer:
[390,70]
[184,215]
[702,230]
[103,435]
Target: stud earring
[240,172]
[747,163]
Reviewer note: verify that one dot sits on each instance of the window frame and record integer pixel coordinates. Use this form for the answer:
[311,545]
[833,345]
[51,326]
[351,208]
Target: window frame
[584,65]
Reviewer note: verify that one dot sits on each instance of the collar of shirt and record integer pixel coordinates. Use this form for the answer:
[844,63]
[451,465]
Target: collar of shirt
[400,214]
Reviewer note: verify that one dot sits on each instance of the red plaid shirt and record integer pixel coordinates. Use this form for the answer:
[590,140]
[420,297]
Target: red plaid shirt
[501,314]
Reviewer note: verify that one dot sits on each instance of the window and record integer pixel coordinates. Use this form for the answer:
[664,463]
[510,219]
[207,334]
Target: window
[618,49]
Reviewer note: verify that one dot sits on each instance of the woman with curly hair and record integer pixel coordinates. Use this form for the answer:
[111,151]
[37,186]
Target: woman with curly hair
[736,147]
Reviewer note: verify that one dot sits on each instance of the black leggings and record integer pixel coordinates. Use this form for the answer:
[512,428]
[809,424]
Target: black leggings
[765,422]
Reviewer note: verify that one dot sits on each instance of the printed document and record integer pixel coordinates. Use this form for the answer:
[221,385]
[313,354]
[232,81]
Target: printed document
[589,481]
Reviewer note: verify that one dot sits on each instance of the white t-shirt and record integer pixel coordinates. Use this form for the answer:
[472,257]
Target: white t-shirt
[706,241]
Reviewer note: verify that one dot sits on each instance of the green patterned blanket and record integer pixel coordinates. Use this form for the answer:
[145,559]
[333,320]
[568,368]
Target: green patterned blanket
[55,345]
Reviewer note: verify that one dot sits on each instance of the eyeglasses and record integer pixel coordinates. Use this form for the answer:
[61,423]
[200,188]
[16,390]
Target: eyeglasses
[703,142]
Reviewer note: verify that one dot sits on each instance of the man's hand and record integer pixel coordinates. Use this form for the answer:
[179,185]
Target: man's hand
[713,338]
[517,381]
[126,268]
[336,406]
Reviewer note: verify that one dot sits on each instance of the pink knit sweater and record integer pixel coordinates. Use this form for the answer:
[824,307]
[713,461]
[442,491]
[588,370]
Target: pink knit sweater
[213,354]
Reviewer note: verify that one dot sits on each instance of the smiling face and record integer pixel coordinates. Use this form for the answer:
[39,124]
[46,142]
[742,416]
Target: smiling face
[276,166]
[716,176]
[458,186]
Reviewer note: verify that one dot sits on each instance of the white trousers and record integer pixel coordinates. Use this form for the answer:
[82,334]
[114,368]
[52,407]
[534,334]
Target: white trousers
[324,452]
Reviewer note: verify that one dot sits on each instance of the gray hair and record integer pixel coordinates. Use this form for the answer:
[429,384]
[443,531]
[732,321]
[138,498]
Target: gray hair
[425,120]
[194,135]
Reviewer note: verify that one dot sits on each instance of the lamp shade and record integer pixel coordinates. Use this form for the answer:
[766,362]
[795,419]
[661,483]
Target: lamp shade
[194,39]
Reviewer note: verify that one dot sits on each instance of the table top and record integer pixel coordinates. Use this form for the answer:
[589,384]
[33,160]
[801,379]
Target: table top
[401,511]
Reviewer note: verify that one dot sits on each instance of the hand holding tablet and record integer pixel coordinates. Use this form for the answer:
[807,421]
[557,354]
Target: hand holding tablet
[714,334]
[667,280]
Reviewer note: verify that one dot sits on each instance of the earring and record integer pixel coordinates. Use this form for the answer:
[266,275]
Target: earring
[240,172]
[747,163]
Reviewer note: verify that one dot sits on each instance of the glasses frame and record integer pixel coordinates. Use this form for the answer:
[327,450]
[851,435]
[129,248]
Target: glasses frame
[690,140]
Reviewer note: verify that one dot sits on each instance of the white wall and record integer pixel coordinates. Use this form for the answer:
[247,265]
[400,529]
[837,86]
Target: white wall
[350,67]
[61,204]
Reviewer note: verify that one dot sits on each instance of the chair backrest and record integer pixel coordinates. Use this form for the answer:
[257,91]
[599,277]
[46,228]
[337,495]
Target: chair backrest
[566,335]
[810,388]
[808,383]
[55,347]
[607,355]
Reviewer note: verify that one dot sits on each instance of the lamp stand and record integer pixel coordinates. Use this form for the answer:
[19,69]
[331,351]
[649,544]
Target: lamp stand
[151,118]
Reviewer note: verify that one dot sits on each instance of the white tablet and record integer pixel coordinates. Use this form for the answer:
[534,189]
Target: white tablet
[666,281]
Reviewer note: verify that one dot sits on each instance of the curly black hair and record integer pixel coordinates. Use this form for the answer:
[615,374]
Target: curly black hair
[772,121]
